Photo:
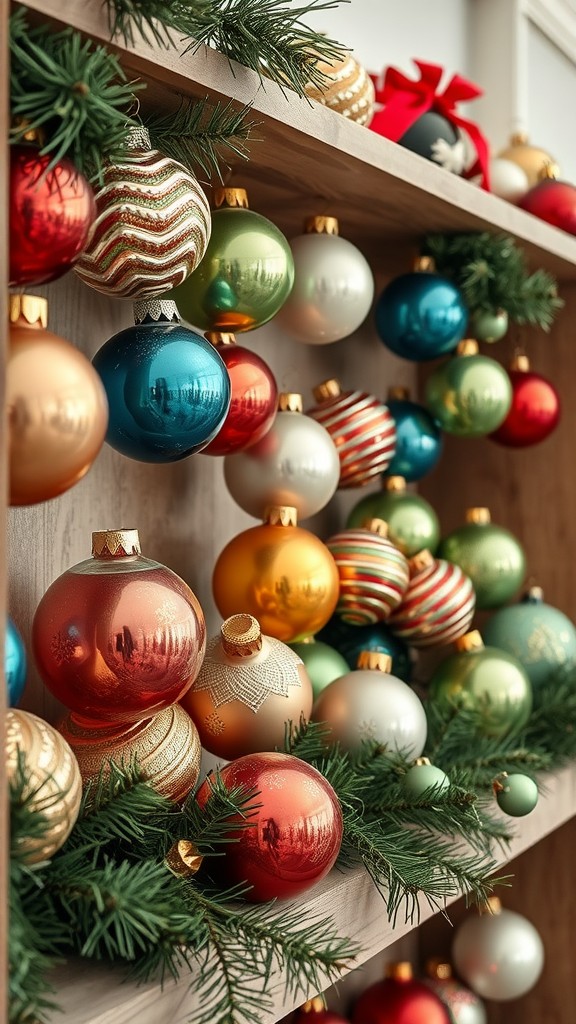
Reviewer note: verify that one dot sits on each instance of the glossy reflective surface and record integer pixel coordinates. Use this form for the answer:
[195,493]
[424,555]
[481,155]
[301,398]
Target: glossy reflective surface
[253,401]
[469,395]
[14,662]
[412,522]
[323,663]
[534,413]
[492,558]
[418,440]
[351,640]
[420,316]
[489,680]
[540,636]
[500,955]
[408,1002]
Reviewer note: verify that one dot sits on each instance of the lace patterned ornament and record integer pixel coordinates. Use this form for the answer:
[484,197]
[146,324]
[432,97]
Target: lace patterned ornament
[273,670]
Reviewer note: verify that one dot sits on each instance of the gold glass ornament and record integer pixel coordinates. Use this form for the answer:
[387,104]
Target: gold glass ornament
[348,89]
[532,159]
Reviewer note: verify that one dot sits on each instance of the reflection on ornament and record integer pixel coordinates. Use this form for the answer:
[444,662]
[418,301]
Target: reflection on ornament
[530,158]
[399,999]
[322,662]
[373,573]
[535,409]
[516,794]
[498,953]
[351,640]
[463,1005]
[347,89]
[421,316]
[412,522]
[418,438]
[489,554]
[15,662]
[508,179]
[470,395]
[552,201]
[254,395]
[438,605]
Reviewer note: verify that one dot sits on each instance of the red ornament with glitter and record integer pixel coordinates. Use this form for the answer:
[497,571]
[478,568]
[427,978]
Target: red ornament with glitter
[254,395]
[399,999]
[535,409]
[438,605]
[314,1011]
[362,429]
[373,573]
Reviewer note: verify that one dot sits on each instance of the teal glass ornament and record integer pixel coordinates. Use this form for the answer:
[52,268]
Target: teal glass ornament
[350,641]
[516,794]
[168,388]
[322,662]
[421,316]
[489,554]
[418,439]
[15,662]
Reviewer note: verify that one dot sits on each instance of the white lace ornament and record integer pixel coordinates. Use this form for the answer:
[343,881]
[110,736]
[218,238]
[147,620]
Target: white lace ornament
[272,670]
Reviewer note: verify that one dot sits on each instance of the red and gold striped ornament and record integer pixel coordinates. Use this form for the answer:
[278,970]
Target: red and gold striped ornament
[362,429]
[152,225]
[374,574]
[438,605]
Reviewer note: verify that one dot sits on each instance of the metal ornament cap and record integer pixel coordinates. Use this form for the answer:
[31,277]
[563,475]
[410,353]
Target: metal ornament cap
[375,660]
[321,225]
[471,641]
[154,311]
[183,859]
[399,971]
[32,309]
[115,543]
[230,197]
[241,635]
[328,389]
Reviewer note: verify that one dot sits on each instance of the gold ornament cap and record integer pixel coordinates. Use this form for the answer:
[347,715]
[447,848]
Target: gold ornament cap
[399,971]
[438,969]
[281,515]
[423,762]
[241,636]
[32,309]
[467,347]
[479,515]
[493,905]
[220,338]
[394,483]
[535,593]
[398,392]
[549,171]
[377,661]
[420,561]
[290,401]
[375,525]
[327,389]
[424,265]
[315,1005]
[471,641]
[231,197]
[115,543]
[520,362]
[519,139]
[321,225]
[183,858]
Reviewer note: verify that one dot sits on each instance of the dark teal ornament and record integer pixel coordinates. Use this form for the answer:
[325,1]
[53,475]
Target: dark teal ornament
[421,316]
[14,662]
[351,640]
[418,437]
[168,388]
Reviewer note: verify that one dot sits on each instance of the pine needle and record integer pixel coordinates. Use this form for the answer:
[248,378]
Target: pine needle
[203,136]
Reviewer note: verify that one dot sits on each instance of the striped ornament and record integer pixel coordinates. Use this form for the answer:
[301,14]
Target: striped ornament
[364,433]
[438,605]
[373,574]
[348,89]
[151,230]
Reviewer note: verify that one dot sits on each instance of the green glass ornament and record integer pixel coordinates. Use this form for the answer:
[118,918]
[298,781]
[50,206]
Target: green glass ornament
[516,794]
[423,776]
[490,555]
[323,663]
[489,326]
[486,679]
[470,395]
[412,522]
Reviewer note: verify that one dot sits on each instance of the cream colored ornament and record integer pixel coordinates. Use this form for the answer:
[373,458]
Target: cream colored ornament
[348,89]
[532,159]
[508,179]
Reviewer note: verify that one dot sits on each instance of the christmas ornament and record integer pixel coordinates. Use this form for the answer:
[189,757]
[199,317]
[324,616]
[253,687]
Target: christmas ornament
[118,637]
[254,395]
[371,704]
[412,522]
[333,285]
[166,746]
[15,662]
[351,640]
[469,394]
[53,786]
[423,776]
[246,274]
[152,225]
[362,430]
[322,662]
[541,637]
[508,179]
[249,686]
[487,325]
[399,999]
[464,1007]
[279,573]
[552,200]
[421,315]
[438,605]
[498,953]
[530,158]
[373,573]
[57,410]
[418,439]
[51,215]
[295,464]
[535,409]
[486,679]
[347,89]
[294,832]
[168,388]
[489,554]
[517,794]
[314,1011]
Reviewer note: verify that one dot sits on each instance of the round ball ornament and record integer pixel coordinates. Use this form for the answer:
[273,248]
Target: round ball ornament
[463,1005]
[152,225]
[57,408]
[516,794]
[470,395]
[489,554]
[362,429]
[322,662]
[347,89]
[281,574]
[498,953]
[373,573]
[532,159]
[400,999]
[51,216]
[15,662]
[333,285]
[418,438]
[296,463]
[314,1011]
[438,605]
[247,272]
[422,777]
[535,409]
[350,641]
[412,522]
[294,832]
[486,679]
[118,637]
[420,315]
[371,704]
[552,201]
[508,179]
[53,786]
[253,397]
[435,138]
[488,325]
[168,388]
[249,686]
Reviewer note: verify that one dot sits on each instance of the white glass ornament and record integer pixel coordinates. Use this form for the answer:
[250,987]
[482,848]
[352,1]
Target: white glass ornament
[507,179]
[499,953]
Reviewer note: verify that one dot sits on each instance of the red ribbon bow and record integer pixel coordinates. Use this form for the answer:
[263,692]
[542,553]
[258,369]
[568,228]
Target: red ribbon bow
[405,100]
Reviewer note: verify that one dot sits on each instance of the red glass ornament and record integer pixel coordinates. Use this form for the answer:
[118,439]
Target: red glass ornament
[254,395]
[535,409]
[553,201]
[294,834]
[399,999]
[314,1012]
[51,216]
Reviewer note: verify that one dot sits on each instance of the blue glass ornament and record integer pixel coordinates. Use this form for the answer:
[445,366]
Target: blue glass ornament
[14,662]
[350,640]
[418,438]
[421,316]
[168,388]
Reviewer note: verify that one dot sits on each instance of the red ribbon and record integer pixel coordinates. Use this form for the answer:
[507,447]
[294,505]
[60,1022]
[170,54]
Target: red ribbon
[405,100]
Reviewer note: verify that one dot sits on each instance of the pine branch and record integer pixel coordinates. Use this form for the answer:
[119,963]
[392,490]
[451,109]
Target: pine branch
[200,135]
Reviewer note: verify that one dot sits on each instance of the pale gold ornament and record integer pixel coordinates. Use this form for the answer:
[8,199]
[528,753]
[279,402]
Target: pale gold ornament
[532,159]
[348,89]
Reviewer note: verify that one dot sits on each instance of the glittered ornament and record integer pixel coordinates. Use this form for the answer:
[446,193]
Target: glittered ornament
[51,216]
[516,794]
[249,686]
[333,285]
[294,831]
[351,640]
[371,704]
[463,1005]
[498,953]
[489,554]
[296,464]
[508,179]
[532,159]
[247,272]
[418,438]
[52,783]
[253,397]
[15,662]
[373,573]
[118,637]
[57,409]
[470,395]
[347,88]
[362,430]
[322,662]
[422,777]
[279,573]
[152,225]
[491,682]
[399,999]
[420,315]
[438,605]
[168,388]
[412,522]
[552,201]
[488,325]
[314,1011]
[535,409]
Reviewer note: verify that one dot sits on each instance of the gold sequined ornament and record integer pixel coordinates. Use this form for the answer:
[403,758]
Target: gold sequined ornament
[53,783]
[348,89]
[249,686]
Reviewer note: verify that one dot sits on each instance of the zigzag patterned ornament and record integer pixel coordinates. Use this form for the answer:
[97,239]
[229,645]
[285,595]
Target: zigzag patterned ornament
[152,227]
[438,605]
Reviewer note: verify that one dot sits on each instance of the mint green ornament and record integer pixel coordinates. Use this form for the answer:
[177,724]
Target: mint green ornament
[488,326]
[489,554]
[516,794]
[469,394]
[412,522]
[323,663]
[423,776]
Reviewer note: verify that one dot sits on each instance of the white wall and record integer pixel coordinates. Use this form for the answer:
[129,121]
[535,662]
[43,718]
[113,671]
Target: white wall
[551,101]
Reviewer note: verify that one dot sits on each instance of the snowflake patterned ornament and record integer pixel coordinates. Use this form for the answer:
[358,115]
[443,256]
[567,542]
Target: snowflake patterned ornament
[450,156]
